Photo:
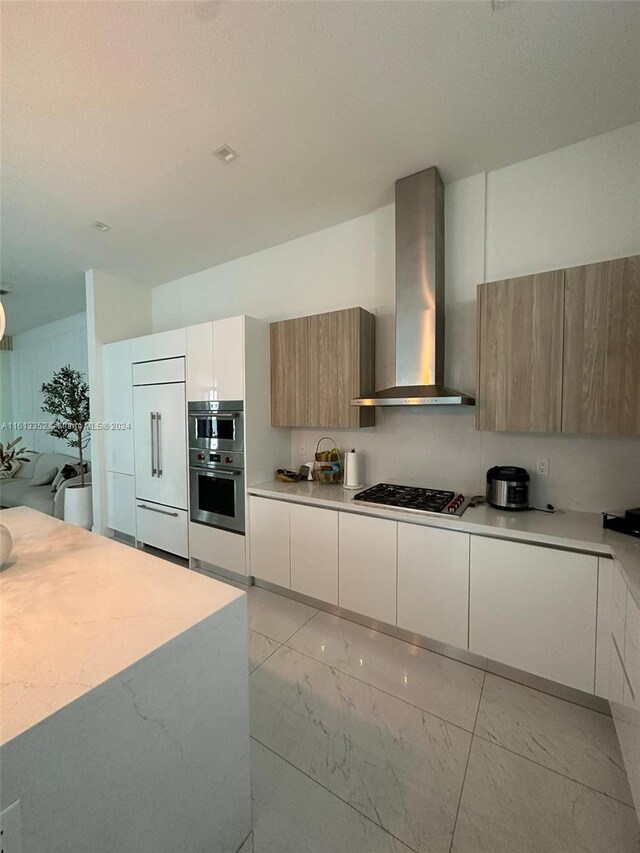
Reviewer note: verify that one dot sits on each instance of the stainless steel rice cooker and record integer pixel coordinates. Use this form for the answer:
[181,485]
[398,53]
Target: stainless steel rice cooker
[508,487]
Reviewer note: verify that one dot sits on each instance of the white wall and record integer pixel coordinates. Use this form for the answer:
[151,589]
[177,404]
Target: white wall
[36,354]
[576,205]
[117,309]
[6,407]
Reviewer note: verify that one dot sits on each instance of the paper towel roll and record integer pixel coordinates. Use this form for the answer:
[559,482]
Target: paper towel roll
[352,470]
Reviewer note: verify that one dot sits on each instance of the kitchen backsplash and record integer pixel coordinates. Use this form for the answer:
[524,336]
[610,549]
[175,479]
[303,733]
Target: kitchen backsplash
[443,450]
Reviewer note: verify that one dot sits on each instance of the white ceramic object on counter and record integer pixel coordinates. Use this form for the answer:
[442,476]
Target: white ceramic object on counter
[6,545]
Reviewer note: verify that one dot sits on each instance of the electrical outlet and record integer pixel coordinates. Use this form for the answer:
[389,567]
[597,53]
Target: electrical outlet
[302,451]
[11,829]
[542,467]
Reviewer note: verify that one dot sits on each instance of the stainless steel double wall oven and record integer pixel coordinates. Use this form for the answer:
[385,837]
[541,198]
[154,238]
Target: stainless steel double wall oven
[216,464]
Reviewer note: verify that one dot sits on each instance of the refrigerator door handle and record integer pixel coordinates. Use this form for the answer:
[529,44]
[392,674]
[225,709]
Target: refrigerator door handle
[153,443]
[159,443]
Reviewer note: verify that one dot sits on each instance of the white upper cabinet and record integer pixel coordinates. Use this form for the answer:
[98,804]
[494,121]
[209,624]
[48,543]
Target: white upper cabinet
[433,583]
[367,566]
[228,359]
[314,552]
[215,360]
[170,344]
[200,362]
[534,608]
[118,407]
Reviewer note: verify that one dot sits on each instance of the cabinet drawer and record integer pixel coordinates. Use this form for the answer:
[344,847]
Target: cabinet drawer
[162,527]
[169,344]
[217,547]
[157,372]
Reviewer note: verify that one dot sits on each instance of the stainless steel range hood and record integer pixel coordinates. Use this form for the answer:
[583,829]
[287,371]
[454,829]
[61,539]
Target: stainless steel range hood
[419,298]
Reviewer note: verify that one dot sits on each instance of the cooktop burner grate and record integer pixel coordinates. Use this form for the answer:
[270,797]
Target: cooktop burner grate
[413,498]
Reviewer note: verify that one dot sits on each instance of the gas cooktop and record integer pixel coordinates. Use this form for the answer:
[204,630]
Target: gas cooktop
[415,499]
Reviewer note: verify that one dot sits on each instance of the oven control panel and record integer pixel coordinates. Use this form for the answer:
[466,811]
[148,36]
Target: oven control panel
[205,458]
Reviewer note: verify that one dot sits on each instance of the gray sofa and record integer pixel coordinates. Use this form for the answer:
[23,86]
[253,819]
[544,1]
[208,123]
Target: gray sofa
[18,492]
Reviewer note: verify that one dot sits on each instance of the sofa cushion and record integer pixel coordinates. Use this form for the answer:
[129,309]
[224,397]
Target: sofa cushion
[13,491]
[38,497]
[44,479]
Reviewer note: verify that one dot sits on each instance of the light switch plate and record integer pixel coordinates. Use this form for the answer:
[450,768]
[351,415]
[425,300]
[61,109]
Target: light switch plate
[11,829]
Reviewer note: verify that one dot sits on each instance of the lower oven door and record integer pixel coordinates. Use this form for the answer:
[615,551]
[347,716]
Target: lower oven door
[217,497]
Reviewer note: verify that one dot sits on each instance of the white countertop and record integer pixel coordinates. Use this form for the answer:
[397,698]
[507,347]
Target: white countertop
[581,531]
[78,608]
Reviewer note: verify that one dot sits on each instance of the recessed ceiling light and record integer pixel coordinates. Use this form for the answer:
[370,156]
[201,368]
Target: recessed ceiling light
[226,153]
[102,226]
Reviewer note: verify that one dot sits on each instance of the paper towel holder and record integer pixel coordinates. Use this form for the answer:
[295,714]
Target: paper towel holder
[351,470]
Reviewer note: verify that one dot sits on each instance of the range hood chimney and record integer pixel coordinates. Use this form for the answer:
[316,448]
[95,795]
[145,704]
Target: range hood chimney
[419,298]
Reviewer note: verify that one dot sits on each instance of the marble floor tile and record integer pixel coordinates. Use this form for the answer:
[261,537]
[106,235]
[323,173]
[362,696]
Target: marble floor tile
[437,684]
[293,814]
[260,647]
[575,741]
[399,766]
[274,615]
[512,805]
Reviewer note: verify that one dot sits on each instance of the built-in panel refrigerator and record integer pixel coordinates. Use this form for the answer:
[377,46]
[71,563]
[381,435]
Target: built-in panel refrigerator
[160,447]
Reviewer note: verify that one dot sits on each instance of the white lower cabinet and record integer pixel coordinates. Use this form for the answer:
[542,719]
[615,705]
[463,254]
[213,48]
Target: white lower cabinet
[534,608]
[314,552]
[433,583]
[121,502]
[163,527]
[604,627]
[367,566]
[269,540]
[218,548]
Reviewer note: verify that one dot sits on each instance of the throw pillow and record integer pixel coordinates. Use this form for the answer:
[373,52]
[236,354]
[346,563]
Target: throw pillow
[11,471]
[44,479]
[66,473]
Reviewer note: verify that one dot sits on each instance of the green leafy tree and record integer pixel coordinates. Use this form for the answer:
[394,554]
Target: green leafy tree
[67,398]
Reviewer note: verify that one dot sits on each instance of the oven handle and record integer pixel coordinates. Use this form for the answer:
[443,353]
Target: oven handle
[216,415]
[229,473]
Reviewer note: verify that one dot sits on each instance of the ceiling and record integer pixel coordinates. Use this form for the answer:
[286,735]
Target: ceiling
[112,111]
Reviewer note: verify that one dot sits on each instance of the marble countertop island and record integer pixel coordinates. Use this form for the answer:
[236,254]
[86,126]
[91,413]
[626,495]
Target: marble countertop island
[125,707]
[580,531]
[77,608]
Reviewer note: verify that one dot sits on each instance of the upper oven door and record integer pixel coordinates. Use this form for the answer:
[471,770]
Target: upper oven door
[216,430]
[217,497]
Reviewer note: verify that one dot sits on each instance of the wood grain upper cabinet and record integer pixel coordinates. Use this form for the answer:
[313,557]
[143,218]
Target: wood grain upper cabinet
[601,376]
[520,330]
[290,372]
[318,365]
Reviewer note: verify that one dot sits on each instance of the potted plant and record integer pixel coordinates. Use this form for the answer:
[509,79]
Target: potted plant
[67,398]
[11,453]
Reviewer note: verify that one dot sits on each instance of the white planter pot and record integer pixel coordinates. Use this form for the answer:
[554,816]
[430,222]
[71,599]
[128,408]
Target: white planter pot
[78,506]
[6,544]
